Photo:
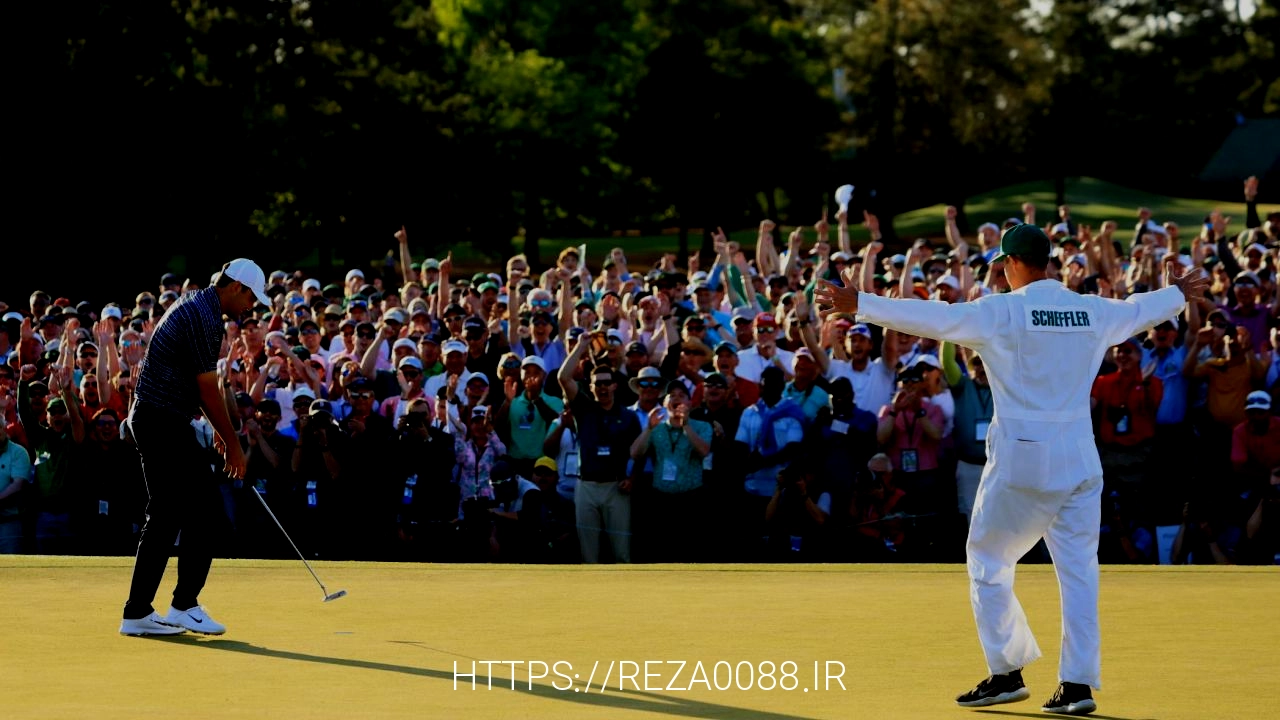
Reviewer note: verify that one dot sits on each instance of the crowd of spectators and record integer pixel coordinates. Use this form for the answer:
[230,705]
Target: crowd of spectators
[611,413]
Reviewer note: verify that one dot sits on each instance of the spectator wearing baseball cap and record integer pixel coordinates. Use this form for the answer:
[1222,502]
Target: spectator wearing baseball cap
[1255,444]
[803,389]
[309,336]
[454,355]
[1126,402]
[1246,312]
[542,328]
[410,379]
[741,393]
[484,348]
[765,352]
[526,414]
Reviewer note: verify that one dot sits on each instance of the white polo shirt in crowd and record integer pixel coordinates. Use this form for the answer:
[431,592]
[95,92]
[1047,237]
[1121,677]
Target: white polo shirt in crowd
[872,386]
[750,364]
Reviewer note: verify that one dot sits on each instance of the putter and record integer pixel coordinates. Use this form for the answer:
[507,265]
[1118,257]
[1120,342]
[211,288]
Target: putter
[327,595]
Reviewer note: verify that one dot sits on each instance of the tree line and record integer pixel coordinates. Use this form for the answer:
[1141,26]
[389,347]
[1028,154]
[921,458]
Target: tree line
[311,129]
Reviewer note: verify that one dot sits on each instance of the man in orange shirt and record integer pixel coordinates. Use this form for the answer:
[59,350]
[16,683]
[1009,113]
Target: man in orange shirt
[1126,402]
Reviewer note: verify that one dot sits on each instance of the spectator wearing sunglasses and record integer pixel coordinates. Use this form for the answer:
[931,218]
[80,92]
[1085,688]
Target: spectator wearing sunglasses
[484,348]
[541,343]
[606,431]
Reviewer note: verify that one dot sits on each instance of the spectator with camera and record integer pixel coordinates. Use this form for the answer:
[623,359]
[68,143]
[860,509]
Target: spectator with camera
[844,438]
[910,428]
[676,504]
[424,497]
[771,435]
[319,498]
[113,501]
[874,511]
[268,453]
[797,514]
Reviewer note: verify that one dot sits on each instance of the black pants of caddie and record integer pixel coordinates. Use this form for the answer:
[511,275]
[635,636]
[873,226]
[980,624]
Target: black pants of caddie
[183,496]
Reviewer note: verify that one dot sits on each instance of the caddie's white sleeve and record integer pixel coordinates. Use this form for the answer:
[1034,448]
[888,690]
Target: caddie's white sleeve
[1141,312]
[970,324]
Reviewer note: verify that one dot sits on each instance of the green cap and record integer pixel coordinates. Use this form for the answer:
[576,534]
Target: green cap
[1024,239]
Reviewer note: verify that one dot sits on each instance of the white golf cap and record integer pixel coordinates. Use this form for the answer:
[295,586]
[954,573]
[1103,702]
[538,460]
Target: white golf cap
[453,346]
[355,273]
[405,343]
[111,311]
[1061,228]
[311,284]
[1258,400]
[950,281]
[410,360]
[303,391]
[1157,228]
[929,360]
[12,316]
[247,273]
[1256,247]
[535,361]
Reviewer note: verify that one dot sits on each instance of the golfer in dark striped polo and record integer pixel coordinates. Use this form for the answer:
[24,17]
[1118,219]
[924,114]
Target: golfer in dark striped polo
[178,380]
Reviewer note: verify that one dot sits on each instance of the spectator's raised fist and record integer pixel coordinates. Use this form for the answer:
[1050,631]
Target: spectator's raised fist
[767,226]
[1250,188]
[402,236]
[951,212]
[1144,214]
[872,223]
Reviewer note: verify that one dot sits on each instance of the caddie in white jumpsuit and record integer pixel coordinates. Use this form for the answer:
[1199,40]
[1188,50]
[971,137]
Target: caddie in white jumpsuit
[1042,345]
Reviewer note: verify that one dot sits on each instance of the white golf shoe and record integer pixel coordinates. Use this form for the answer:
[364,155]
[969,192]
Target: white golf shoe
[149,625]
[194,619]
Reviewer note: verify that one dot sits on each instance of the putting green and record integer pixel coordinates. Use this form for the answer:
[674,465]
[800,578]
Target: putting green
[1177,642]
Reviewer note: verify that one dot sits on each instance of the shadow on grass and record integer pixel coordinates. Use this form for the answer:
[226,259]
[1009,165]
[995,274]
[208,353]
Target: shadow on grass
[625,700]
[1010,713]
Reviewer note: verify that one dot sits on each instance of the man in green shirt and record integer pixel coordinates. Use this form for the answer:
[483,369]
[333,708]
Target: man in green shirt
[678,445]
[528,414]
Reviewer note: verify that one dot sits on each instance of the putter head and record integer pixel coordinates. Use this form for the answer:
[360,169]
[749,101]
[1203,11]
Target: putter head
[335,595]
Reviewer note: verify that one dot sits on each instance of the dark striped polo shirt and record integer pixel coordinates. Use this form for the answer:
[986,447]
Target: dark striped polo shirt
[186,343]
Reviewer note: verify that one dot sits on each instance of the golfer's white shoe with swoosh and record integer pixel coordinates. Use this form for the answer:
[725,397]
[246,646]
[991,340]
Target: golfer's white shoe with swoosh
[194,619]
[149,625]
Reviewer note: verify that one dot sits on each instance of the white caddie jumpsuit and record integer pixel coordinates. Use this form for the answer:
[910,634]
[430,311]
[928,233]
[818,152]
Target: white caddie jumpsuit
[1042,346]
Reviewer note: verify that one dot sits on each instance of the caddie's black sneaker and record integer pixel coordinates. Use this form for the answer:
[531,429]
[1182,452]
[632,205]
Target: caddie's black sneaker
[1071,699]
[995,690]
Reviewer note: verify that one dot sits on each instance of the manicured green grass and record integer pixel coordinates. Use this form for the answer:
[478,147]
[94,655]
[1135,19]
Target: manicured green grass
[1178,642]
